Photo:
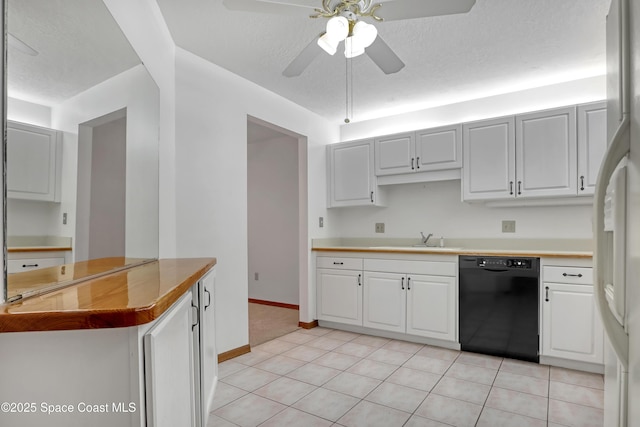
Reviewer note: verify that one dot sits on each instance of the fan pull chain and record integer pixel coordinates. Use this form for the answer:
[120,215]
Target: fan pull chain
[349,89]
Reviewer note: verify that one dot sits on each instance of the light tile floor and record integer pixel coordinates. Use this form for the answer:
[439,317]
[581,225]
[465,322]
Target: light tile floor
[324,377]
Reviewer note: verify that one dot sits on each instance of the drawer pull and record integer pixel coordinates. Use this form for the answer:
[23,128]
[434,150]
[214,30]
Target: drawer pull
[338,263]
[402,284]
[359,279]
[29,265]
[572,275]
[546,293]
[408,283]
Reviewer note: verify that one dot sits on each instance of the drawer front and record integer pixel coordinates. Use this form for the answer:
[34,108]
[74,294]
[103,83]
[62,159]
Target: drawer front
[20,265]
[573,275]
[338,263]
[434,268]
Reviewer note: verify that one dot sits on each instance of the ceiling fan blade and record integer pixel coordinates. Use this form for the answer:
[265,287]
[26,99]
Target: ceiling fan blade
[384,57]
[270,6]
[409,9]
[18,44]
[304,58]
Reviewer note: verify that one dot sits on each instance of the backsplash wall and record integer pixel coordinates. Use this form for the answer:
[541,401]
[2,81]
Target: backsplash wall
[437,208]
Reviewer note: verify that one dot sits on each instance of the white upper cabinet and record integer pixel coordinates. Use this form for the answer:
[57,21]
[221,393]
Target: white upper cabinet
[351,176]
[439,148]
[395,154]
[34,156]
[422,151]
[488,170]
[592,144]
[532,155]
[546,150]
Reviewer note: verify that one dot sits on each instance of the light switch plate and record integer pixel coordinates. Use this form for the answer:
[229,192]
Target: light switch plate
[379,227]
[321,222]
[508,226]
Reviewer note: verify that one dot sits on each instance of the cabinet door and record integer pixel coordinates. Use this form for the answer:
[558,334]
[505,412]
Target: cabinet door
[351,178]
[169,371]
[488,159]
[34,158]
[431,306]
[395,154]
[339,296]
[546,153]
[592,144]
[571,326]
[439,148]
[207,347]
[385,301]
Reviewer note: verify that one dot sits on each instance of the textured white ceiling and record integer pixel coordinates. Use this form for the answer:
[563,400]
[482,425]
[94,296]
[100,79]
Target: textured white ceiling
[499,46]
[78,42]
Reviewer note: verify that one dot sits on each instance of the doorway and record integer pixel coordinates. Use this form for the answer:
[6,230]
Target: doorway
[101,197]
[276,230]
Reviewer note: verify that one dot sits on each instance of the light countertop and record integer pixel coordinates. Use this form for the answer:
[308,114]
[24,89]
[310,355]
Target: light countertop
[559,248]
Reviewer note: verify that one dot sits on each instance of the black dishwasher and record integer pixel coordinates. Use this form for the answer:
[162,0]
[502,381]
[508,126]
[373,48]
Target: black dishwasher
[498,309]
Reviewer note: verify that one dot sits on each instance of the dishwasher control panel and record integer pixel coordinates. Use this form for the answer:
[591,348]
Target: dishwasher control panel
[519,263]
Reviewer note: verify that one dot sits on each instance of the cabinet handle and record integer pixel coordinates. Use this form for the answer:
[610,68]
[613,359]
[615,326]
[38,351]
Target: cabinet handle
[402,284]
[29,265]
[582,183]
[519,187]
[408,283]
[359,279]
[546,293]
[417,162]
[197,316]
[412,168]
[572,275]
[372,197]
[338,263]
[209,300]
[511,188]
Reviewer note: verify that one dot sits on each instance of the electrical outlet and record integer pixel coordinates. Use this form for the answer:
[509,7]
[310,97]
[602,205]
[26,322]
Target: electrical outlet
[64,218]
[256,276]
[508,226]
[321,222]
[379,227]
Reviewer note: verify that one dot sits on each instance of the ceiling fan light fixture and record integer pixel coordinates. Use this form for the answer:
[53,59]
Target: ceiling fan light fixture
[328,44]
[337,30]
[365,33]
[353,47]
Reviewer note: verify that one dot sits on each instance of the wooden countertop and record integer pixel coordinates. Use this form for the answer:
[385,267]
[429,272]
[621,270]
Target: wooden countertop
[125,298]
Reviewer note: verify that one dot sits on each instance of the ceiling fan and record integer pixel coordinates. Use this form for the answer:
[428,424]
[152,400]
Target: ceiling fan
[346,23]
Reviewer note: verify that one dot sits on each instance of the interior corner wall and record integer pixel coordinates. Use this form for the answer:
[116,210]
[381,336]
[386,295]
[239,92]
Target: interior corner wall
[272,168]
[212,106]
[142,23]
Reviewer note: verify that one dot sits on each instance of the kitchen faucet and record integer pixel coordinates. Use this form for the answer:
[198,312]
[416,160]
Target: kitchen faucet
[425,239]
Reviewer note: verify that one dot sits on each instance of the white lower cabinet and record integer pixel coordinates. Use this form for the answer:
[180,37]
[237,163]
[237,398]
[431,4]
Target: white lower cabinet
[380,294]
[411,303]
[169,368]
[571,325]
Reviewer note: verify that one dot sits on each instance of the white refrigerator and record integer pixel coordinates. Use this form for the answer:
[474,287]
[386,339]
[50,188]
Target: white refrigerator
[617,219]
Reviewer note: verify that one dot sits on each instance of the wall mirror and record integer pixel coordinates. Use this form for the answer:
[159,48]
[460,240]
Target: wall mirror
[82,143]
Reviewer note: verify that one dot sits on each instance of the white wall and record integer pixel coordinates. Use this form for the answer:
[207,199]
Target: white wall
[437,208]
[272,168]
[211,184]
[28,112]
[545,97]
[142,23]
[135,91]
